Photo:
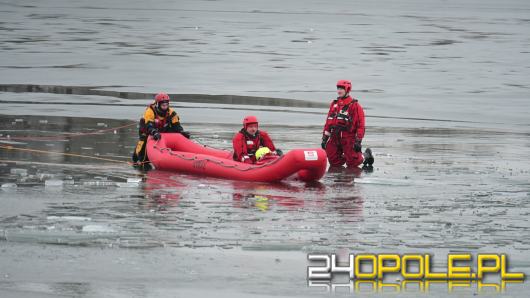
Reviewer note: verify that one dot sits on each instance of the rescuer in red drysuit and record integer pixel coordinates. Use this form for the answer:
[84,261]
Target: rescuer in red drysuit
[249,139]
[344,130]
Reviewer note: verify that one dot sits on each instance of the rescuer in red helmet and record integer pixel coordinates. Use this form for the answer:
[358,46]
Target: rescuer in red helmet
[158,117]
[249,139]
[344,130]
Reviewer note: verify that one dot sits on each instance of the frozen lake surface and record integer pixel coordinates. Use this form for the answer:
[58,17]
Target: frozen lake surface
[105,225]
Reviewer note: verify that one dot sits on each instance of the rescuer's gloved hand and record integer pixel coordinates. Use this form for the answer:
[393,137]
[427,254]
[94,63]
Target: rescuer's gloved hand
[186,134]
[156,135]
[357,146]
[324,141]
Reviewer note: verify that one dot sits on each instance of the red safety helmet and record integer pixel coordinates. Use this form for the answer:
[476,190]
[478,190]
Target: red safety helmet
[345,84]
[249,120]
[161,97]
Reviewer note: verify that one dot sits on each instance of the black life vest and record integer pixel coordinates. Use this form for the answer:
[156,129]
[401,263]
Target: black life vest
[161,125]
[250,142]
[343,120]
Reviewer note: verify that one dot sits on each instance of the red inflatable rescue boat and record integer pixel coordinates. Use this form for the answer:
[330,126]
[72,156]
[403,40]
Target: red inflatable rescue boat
[174,152]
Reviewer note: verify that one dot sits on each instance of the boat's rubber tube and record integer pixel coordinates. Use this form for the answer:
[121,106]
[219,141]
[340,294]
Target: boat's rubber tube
[173,152]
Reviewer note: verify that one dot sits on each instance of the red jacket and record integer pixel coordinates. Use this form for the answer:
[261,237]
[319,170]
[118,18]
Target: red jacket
[345,115]
[245,145]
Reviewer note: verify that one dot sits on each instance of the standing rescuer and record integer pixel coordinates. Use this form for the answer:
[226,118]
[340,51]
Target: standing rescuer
[158,117]
[344,130]
[249,140]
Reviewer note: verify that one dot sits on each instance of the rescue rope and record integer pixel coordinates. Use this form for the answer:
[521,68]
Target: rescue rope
[171,152]
[70,135]
[69,154]
[67,135]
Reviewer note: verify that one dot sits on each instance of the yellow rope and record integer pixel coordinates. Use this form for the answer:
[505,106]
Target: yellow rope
[64,154]
[51,138]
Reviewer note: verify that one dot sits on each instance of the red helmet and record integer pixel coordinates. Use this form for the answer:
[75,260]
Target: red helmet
[344,84]
[161,97]
[249,120]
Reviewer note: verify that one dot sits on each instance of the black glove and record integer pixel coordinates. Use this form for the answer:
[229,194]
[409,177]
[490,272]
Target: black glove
[324,142]
[279,152]
[357,146]
[156,135]
[186,134]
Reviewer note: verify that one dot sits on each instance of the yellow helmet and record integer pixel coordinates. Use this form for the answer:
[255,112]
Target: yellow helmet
[262,151]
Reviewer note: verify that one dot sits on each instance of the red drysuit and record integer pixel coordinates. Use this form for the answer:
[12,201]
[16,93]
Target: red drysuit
[245,145]
[344,126]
